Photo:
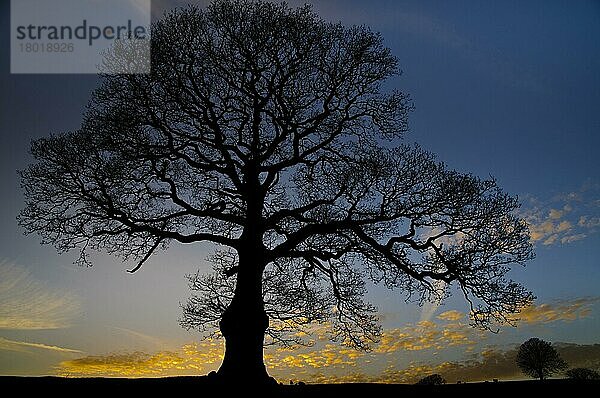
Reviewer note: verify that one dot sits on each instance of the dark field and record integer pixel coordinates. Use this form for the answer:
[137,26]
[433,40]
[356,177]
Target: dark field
[200,386]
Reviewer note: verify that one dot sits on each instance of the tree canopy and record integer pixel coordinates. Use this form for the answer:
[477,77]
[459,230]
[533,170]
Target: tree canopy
[270,133]
[537,358]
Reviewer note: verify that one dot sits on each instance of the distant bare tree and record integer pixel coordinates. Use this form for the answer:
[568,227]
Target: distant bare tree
[267,132]
[537,358]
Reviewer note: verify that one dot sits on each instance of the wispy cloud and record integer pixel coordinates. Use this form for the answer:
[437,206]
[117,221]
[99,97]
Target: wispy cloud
[560,310]
[24,346]
[565,218]
[149,341]
[29,304]
[553,311]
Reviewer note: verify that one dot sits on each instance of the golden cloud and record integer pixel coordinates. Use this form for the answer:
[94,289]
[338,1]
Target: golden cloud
[321,378]
[201,358]
[24,346]
[329,363]
[426,335]
[327,356]
[28,304]
[451,315]
[565,310]
[190,359]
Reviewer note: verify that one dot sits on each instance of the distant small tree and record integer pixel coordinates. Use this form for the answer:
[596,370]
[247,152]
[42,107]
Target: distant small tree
[537,358]
[582,374]
[432,380]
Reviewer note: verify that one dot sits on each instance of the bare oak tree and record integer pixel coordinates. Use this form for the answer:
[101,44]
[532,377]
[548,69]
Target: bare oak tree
[268,132]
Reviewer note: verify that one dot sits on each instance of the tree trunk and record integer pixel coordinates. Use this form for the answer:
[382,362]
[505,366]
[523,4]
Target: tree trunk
[244,322]
[243,325]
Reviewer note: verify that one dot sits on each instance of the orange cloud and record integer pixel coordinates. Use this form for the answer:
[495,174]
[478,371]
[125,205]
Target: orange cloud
[567,310]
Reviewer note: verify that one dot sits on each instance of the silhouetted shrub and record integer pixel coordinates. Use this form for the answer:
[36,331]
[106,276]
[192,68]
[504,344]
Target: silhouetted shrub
[432,380]
[582,374]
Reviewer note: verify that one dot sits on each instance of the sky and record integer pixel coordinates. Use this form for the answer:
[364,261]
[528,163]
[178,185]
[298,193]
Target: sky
[509,89]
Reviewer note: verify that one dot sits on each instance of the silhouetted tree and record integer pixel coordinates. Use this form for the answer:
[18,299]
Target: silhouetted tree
[537,358]
[582,374]
[432,380]
[266,131]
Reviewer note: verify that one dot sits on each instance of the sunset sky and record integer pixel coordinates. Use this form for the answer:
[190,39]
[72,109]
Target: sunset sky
[509,89]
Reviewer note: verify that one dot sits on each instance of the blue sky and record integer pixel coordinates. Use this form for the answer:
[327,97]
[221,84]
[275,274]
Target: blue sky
[509,89]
